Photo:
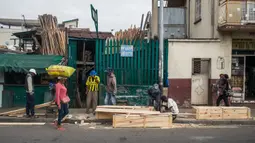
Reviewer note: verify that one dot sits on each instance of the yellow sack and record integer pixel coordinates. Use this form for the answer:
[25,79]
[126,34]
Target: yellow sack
[59,70]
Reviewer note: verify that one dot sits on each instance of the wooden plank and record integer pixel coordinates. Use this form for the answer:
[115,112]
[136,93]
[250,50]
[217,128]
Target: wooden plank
[104,116]
[126,111]
[236,113]
[22,110]
[147,121]
[207,113]
[149,108]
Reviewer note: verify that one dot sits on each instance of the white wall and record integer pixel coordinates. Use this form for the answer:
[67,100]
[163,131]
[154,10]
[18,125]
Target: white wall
[207,27]
[181,53]
[71,24]
[6,35]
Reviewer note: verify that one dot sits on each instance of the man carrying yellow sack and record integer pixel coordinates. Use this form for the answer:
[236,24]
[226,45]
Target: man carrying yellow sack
[92,90]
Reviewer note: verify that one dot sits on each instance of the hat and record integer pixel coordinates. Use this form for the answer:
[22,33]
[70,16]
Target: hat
[108,70]
[93,73]
[32,71]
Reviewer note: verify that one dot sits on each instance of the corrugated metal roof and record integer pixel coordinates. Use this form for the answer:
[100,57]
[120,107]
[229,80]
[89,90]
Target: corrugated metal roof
[87,34]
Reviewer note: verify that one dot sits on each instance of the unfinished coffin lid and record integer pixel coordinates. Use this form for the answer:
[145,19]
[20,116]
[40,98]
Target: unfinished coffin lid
[126,111]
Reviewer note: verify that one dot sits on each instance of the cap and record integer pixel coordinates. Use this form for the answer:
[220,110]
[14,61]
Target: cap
[108,70]
[32,71]
[93,73]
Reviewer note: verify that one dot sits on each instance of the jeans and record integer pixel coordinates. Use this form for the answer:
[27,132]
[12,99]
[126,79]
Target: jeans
[108,97]
[30,105]
[62,112]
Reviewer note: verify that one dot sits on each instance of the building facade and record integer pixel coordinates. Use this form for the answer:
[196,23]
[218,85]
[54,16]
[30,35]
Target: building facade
[220,39]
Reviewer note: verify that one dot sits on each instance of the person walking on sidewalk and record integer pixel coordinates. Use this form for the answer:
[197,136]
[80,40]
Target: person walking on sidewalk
[30,97]
[62,101]
[223,88]
[111,88]
[92,90]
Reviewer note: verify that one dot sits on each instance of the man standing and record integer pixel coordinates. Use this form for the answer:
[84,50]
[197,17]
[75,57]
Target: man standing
[111,88]
[92,90]
[29,85]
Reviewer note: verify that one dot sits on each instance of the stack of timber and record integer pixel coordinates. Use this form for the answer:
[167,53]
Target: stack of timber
[130,34]
[53,39]
[221,113]
[18,112]
[134,116]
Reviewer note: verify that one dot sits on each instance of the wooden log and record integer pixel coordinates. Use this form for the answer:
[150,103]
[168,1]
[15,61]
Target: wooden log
[126,111]
[22,110]
[147,121]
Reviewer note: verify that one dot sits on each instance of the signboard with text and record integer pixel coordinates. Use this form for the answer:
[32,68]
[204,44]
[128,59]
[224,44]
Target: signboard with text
[126,51]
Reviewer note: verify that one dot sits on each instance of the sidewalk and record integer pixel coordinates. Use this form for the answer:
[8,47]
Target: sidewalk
[78,116]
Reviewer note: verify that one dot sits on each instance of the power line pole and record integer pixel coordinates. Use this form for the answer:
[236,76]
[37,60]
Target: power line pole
[161,44]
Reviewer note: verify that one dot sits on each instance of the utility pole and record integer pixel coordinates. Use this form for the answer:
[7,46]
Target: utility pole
[161,45]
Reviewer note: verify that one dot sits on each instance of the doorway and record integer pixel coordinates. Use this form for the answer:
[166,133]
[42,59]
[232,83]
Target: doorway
[200,81]
[250,78]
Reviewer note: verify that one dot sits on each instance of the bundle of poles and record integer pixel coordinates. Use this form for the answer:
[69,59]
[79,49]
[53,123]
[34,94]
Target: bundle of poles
[53,38]
[130,34]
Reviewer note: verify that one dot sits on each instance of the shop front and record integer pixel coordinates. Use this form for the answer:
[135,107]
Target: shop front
[243,71]
[14,68]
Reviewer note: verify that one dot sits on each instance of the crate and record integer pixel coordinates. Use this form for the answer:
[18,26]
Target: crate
[142,121]
[221,113]
[208,113]
[236,113]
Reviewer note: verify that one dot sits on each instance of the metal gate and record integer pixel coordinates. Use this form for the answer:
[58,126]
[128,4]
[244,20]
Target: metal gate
[134,72]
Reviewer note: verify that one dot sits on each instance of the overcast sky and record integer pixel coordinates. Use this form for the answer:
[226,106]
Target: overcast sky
[113,14]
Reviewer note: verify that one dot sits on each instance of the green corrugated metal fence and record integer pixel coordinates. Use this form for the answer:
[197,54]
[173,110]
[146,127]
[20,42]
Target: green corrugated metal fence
[141,69]
[134,74]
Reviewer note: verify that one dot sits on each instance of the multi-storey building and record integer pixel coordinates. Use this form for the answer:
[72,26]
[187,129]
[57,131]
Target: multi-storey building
[207,38]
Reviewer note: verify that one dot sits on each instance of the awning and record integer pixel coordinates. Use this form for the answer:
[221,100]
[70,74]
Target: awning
[22,62]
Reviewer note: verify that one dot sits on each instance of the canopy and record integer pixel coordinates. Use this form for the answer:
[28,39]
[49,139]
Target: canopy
[23,62]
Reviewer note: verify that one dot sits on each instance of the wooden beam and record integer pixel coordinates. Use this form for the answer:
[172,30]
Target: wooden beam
[22,110]
[146,108]
[125,111]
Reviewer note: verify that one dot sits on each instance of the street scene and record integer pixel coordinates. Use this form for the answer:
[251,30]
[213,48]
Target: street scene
[127,71]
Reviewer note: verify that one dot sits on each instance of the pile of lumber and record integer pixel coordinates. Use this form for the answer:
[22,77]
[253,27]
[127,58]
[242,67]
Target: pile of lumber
[53,39]
[221,113]
[21,111]
[130,34]
[134,116]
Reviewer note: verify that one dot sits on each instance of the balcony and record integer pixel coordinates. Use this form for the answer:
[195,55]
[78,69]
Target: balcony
[236,15]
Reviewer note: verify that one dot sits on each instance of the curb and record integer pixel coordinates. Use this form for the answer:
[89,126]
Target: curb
[215,122]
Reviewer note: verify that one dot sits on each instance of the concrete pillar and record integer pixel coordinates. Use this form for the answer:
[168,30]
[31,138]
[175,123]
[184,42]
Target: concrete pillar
[154,22]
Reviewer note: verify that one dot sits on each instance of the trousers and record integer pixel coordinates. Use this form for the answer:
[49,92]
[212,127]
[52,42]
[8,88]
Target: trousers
[224,98]
[92,99]
[30,104]
[62,112]
[109,97]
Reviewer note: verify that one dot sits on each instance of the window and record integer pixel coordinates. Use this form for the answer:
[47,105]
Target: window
[198,11]
[196,66]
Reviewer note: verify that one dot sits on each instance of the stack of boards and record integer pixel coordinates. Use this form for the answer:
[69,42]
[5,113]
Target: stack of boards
[222,113]
[134,117]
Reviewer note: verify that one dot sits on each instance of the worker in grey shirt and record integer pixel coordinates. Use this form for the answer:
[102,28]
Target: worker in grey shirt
[29,85]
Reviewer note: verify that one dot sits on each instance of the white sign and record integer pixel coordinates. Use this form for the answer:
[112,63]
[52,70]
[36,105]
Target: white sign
[126,51]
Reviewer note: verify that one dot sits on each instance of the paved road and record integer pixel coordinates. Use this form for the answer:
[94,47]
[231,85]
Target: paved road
[76,134]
